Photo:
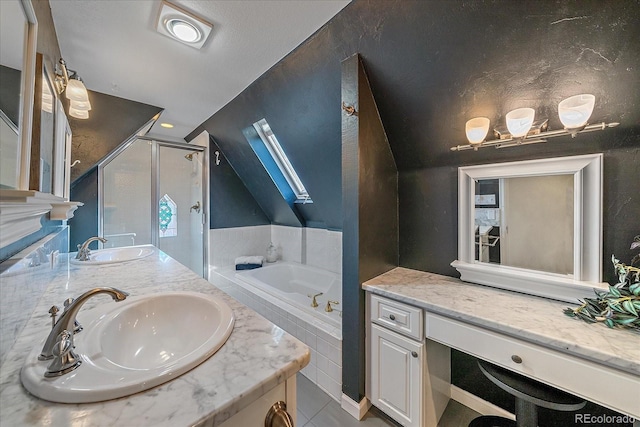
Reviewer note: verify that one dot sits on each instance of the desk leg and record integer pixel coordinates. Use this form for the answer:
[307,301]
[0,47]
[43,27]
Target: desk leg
[437,382]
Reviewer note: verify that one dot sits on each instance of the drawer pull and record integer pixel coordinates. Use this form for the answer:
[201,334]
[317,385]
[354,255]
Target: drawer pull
[414,354]
[392,317]
[516,358]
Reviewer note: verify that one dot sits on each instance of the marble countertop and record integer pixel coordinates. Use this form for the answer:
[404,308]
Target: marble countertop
[534,319]
[257,356]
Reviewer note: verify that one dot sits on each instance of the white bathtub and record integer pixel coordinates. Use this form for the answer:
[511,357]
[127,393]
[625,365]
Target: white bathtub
[279,292]
[294,283]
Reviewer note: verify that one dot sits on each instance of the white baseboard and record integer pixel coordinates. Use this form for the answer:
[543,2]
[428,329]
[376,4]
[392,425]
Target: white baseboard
[355,409]
[479,405]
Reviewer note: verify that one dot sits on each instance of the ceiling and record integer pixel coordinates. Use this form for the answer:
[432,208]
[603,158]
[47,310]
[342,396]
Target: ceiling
[115,48]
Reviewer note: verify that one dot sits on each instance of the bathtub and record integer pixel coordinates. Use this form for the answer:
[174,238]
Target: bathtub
[279,292]
[295,283]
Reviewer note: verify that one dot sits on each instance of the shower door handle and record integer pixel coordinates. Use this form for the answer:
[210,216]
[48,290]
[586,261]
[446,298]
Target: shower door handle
[195,207]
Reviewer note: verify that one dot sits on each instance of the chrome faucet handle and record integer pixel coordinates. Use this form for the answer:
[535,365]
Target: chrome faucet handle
[328,308]
[77,327]
[53,311]
[65,359]
[314,303]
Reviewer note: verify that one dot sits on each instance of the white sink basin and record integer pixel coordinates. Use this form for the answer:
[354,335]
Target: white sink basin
[135,345]
[113,255]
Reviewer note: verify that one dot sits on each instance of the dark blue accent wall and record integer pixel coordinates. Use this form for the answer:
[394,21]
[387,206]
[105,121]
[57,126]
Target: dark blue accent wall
[231,203]
[432,65]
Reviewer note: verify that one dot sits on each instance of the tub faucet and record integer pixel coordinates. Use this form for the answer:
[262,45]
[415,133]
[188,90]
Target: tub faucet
[328,308]
[83,249]
[314,303]
[59,344]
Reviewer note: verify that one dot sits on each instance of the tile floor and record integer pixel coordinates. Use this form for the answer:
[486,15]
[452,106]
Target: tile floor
[317,409]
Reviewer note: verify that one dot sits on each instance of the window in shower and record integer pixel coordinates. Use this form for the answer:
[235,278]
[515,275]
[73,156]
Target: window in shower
[168,217]
[277,164]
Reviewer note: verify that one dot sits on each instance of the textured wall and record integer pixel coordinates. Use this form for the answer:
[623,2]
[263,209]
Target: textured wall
[370,203]
[432,65]
[111,122]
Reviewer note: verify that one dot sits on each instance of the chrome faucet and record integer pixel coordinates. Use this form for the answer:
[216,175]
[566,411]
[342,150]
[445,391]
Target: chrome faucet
[83,249]
[59,344]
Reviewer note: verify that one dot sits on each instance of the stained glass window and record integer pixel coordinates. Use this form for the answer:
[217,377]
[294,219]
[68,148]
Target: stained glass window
[168,217]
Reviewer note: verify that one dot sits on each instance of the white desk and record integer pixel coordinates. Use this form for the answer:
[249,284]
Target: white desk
[599,364]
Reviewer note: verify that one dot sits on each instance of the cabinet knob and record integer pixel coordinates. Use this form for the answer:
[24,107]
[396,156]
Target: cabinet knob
[392,317]
[516,358]
[414,354]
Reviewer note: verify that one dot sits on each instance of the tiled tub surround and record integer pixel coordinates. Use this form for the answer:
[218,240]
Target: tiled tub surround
[526,318]
[23,280]
[257,356]
[324,339]
[312,246]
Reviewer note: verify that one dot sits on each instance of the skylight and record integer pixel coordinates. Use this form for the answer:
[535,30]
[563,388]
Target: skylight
[281,161]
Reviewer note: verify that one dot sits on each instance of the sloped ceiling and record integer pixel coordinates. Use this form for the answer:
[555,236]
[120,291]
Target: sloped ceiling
[117,51]
[432,66]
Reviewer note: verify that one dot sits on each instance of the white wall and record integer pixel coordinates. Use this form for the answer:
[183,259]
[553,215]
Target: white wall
[312,246]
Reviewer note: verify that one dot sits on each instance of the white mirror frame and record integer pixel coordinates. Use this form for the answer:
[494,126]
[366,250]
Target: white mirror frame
[587,244]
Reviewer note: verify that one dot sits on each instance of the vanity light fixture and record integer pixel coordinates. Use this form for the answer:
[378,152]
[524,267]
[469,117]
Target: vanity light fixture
[68,81]
[574,113]
[182,26]
[477,129]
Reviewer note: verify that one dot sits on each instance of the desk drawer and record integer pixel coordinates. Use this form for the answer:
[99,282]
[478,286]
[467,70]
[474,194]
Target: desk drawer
[575,375]
[397,316]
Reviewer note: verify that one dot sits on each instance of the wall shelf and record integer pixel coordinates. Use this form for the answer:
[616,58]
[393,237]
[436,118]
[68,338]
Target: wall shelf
[534,138]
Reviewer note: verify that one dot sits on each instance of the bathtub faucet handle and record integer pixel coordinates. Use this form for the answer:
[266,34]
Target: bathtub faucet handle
[328,308]
[314,303]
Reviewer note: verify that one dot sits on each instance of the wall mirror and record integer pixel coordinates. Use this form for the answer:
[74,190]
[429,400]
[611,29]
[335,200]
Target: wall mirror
[532,226]
[17,50]
[44,131]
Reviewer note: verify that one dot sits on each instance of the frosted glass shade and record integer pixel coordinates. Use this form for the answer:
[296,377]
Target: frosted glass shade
[78,114]
[80,105]
[477,129]
[519,121]
[76,91]
[575,111]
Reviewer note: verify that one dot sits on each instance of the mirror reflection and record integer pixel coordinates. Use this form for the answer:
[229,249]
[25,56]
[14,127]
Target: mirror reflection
[13,25]
[526,222]
[47,132]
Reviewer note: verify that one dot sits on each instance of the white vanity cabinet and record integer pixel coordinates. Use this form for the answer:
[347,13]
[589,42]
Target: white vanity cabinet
[405,372]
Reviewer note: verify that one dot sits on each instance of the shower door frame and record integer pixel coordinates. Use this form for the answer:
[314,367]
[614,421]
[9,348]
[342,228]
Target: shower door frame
[155,187]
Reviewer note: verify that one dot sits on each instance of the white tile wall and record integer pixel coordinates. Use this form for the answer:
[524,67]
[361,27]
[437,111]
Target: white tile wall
[288,240]
[313,246]
[324,249]
[226,244]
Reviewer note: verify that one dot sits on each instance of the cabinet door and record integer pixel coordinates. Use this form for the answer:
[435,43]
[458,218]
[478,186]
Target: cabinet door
[396,375]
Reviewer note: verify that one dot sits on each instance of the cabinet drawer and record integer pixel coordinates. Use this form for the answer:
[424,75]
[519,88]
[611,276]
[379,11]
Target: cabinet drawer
[399,317]
[575,375]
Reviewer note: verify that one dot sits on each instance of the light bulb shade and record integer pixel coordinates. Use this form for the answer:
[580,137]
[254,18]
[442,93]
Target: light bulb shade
[78,114]
[519,121]
[76,91]
[575,111]
[80,105]
[477,129]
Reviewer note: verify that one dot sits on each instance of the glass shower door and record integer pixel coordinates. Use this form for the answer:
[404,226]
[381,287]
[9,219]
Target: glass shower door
[153,192]
[180,214]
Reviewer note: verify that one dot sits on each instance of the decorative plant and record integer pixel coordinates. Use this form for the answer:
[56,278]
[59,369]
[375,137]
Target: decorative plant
[621,304]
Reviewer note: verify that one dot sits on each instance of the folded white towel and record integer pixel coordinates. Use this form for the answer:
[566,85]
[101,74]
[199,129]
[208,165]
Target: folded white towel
[257,259]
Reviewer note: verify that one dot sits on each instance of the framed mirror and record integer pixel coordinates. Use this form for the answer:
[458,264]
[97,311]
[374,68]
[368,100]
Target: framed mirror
[532,226]
[18,29]
[44,130]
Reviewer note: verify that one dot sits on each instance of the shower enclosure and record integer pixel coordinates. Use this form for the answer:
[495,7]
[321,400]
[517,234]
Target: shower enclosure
[153,191]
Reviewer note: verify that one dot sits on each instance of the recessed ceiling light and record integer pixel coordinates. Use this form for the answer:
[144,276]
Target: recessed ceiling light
[183,26]
[166,125]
